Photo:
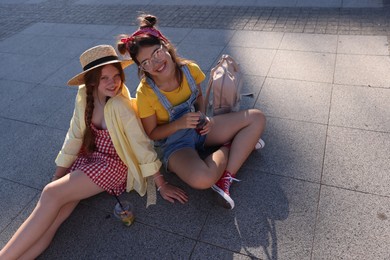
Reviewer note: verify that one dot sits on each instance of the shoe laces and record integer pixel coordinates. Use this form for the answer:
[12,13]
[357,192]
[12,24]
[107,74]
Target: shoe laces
[226,181]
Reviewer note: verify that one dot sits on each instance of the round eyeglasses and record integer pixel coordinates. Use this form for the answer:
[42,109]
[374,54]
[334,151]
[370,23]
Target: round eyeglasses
[157,57]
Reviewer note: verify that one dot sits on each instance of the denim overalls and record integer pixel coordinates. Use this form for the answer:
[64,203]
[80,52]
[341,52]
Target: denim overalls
[182,138]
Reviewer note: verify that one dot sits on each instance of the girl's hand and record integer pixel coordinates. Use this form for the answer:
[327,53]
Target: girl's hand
[207,127]
[189,120]
[59,173]
[55,177]
[172,193]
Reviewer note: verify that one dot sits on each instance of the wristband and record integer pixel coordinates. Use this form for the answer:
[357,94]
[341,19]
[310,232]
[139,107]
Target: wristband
[159,188]
[158,176]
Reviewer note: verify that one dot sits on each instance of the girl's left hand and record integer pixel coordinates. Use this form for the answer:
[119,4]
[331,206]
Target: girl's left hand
[207,127]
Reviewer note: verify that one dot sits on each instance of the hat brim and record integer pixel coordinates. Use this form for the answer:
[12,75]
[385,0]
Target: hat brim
[79,78]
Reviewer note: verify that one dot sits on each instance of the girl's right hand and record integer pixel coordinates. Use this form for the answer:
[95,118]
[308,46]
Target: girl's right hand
[189,120]
[172,193]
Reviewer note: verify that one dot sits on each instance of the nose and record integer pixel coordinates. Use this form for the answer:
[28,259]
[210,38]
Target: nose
[110,81]
[156,62]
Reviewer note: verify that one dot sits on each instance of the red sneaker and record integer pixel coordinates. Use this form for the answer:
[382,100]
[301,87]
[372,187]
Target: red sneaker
[222,188]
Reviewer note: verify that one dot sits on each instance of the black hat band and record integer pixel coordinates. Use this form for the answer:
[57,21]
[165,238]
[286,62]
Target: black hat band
[100,61]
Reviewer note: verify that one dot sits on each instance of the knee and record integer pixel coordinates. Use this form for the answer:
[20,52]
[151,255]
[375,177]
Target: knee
[257,118]
[50,194]
[201,180]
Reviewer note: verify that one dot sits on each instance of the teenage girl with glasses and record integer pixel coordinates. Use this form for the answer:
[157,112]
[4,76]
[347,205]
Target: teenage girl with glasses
[166,97]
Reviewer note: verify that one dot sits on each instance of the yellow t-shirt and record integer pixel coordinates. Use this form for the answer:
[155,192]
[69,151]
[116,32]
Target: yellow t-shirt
[148,103]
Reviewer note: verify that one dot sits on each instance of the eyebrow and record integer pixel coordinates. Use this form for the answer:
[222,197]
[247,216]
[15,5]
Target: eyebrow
[151,55]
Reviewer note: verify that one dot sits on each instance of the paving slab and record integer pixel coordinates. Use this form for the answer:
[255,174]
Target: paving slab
[71,48]
[277,222]
[176,35]
[49,29]
[38,104]
[307,66]
[351,225]
[60,77]
[20,67]
[112,240]
[362,70]
[253,61]
[363,44]
[320,3]
[22,158]
[13,199]
[207,251]
[211,37]
[118,30]
[252,86]
[282,3]
[363,3]
[309,42]
[16,43]
[261,40]
[206,59]
[293,149]
[12,91]
[62,116]
[298,100]
[360,107]
[27,205]
[357,160]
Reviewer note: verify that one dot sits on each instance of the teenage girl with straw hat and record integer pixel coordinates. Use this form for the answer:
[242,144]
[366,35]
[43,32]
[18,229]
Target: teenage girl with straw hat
[105,149]
[166,96]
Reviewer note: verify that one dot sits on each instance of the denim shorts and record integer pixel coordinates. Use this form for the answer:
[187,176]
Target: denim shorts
[185,138]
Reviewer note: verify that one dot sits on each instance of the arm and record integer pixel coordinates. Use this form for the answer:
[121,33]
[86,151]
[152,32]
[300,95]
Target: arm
[168,191]
[74,137]
[202,108]
[139,146]
[157,132]
[143,150]
[147,105]
[200,100]
[60,172]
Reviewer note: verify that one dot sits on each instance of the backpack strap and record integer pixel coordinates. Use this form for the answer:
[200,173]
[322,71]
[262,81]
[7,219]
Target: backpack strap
[208,102]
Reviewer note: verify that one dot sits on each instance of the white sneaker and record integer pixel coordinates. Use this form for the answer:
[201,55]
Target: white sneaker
[260,144]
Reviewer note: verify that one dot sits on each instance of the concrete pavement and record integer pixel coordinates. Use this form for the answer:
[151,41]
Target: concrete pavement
[319,71]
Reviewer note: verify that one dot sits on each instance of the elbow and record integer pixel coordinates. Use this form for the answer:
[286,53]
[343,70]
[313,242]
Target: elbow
[152,137]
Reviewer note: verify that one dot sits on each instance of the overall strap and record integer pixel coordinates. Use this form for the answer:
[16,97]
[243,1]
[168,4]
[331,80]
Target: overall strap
[190,79]
[164,101]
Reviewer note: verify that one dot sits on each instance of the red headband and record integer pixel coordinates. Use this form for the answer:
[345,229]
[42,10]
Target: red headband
[145,30]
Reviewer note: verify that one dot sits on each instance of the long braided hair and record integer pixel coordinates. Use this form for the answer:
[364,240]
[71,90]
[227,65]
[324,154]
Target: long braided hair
[92,80]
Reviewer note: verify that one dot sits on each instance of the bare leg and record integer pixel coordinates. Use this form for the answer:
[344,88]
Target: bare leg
[70,188]
[47,237]
[197,173]
[244,128]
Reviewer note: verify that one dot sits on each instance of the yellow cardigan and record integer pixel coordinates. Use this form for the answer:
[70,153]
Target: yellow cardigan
[127,134]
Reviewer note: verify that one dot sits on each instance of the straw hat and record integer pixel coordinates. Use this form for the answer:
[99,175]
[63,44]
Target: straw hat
[95,57]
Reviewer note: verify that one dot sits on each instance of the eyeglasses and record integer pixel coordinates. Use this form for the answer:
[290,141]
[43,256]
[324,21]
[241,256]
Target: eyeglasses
[157,57]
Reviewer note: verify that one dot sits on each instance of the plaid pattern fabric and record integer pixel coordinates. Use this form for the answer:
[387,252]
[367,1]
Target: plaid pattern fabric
[103,166]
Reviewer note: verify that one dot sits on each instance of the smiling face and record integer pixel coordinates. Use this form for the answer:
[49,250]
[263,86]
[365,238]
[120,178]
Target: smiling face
[156,61]
[110,82]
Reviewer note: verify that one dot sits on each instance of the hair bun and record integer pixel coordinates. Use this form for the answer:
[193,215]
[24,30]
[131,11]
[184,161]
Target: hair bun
[148,20]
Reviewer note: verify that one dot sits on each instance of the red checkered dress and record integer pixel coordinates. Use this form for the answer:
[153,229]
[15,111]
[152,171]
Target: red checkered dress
[103,166]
